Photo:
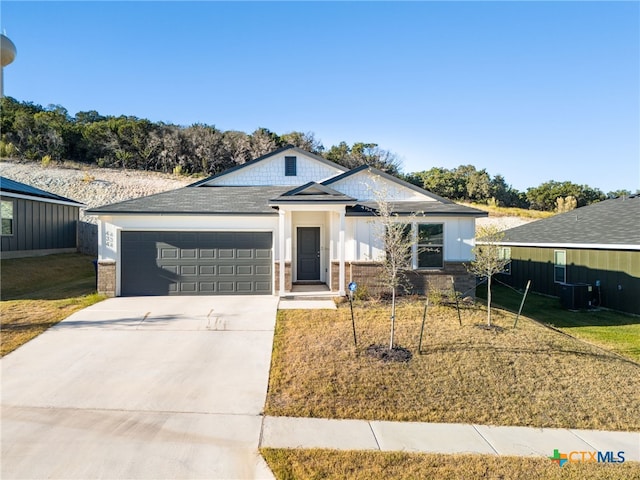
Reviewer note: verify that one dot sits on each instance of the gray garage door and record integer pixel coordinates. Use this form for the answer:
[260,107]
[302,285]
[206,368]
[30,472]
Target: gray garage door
[196,263]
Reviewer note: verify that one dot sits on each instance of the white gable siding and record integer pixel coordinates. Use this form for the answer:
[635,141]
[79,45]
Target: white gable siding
[270,171]
[364,185]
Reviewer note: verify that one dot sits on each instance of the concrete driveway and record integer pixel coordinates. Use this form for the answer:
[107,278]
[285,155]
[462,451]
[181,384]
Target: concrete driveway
[144,387]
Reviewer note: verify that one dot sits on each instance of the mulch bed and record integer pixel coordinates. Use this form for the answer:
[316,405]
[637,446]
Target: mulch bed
[386,354]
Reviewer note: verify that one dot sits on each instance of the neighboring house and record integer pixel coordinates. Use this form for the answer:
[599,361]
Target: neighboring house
[598,245]
[286,218]
[36,222]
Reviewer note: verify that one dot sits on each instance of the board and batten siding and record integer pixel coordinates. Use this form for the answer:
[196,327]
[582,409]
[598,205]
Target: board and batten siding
[617,270]
[41,226]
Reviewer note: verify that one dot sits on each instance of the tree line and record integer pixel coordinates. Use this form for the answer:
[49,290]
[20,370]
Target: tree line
[32,132]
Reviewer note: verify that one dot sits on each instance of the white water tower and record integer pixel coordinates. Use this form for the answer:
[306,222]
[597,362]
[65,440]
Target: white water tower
[7,55]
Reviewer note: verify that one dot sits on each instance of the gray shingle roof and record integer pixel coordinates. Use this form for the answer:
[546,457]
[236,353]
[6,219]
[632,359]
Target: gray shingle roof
[313,192]
[200,201]
[11,186]
[609,223]
[426,209]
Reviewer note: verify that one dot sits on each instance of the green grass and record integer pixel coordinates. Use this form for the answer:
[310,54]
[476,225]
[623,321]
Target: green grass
[365,465]
[614,331]
[38,292]
[527,376]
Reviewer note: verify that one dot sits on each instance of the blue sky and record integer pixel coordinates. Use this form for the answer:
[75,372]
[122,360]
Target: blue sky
[534,91]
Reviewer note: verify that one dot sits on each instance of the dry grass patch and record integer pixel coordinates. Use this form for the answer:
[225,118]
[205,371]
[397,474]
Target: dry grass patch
[529,376]
[332,464]
[38,292]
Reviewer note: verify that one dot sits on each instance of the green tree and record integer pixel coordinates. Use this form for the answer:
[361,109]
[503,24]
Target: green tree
[544,196]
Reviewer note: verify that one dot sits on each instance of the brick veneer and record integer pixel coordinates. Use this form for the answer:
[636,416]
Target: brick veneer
[107,278]
[368,275]
[287,276]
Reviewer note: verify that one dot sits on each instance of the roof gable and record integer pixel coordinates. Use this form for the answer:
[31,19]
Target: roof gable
[313,192]
[611,223]
[365,182]
[270,170]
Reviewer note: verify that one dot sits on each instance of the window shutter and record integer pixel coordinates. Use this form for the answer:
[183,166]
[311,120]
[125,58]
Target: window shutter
[290,166]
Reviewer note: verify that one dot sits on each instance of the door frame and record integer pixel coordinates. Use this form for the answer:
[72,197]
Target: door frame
[322,276]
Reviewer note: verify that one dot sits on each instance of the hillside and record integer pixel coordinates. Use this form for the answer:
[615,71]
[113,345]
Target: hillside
[95,186]
[92,186]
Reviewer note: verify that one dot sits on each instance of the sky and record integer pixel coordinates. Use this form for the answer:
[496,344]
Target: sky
[534,91]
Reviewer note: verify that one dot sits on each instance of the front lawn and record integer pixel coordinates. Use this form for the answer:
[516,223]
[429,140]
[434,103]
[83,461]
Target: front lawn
[333,464]
[528,376]
[615,331]
[38,292]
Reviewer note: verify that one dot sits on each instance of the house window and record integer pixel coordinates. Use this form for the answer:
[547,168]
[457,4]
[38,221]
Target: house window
[430,245]
[6,214]
[559,266]
[290,166]
[505,254]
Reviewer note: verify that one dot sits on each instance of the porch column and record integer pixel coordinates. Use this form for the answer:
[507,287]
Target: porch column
[341,250]
[281,248]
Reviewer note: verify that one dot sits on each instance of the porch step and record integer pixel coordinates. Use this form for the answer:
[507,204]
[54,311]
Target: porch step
[308,297]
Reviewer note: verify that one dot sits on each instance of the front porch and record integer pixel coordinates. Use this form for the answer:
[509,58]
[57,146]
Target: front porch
[311,239]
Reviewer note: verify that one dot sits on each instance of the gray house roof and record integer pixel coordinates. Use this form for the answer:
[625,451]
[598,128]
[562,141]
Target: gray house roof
[202,199]
[424,209]
[199,201]
[13,188]
[610,224]
[313,192]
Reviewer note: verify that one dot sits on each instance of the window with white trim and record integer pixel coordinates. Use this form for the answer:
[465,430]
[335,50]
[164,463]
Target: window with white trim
[504,253]
[559,266]
[430,245]
[6,214]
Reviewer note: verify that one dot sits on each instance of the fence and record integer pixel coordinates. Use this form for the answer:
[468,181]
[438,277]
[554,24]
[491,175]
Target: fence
[88,238]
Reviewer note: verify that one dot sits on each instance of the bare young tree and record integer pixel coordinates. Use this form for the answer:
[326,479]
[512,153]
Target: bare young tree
[489,259]
[395,234]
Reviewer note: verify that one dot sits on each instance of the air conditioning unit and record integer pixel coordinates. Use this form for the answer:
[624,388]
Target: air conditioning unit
[575,296]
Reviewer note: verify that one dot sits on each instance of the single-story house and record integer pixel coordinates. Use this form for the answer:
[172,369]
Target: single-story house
[286,218]
[36,222]
[597,245]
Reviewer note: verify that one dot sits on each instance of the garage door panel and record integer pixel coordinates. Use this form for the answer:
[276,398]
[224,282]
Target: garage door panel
[244,270]
[174,263]
[207,270]
[263,270]
[189,270]
[168,253]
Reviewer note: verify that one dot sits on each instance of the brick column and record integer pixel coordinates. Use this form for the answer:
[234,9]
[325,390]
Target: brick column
[107,278]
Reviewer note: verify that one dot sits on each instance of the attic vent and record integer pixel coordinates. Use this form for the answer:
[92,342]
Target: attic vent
[290,166]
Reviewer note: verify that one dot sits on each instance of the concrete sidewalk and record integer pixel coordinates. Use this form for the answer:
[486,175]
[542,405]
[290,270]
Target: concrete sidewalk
[288,432]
